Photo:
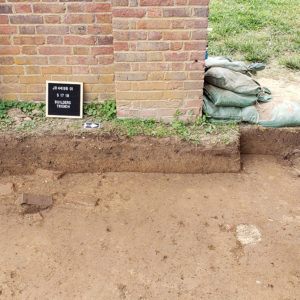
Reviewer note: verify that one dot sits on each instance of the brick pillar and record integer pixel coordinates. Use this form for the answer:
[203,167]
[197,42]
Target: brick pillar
[159,57]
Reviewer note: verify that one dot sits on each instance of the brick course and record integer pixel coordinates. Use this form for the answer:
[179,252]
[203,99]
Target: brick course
[55,40]
[147,54]
[159,48]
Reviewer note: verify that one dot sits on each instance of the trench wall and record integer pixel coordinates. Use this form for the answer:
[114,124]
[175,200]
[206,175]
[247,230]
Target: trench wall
[146,54]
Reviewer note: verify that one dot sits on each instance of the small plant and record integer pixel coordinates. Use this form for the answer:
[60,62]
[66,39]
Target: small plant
[177,113]
[291,62]
[104,110]
[24,106]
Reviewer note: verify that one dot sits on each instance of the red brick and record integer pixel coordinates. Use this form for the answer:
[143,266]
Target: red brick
[54,40]
[79,19]
[102,50]
[199,45]
[100,29]
[80,69]
[81,50]
[26,19]
[52,29]
[56,70]
[79,40]
[53,50]
[8,29]
[27,29]
[4,40]
[5,9]
[29,40]
[121,46]
[201,12]
[49,8]
[98,7]
[176,35]
[29,50]
[81,60]
[9,50]
[199,2]
[6,60]
[183,56]
[3,19]
[22,8]
[120,3]
[175,46]
[154,12]
[106,60]
[52,19]
[31,60]
[130,35]
[104,18]
[76,7]
[104,40]
[128,12]
[156,2]
[154,35]
[153,24]
[176,12]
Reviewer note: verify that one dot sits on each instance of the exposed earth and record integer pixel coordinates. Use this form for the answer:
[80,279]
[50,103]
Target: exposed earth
[154,236]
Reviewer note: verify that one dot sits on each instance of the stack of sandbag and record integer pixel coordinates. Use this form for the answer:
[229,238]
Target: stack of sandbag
[281,113]
[230,93]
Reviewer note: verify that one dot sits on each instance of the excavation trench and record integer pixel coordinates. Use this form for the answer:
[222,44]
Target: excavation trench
[108,152]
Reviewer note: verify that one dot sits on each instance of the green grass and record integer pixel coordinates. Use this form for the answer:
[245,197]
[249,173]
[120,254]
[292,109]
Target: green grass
[255,30]
[292,62]
[105,113]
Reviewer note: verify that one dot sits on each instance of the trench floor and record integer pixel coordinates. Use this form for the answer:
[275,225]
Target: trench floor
[154,236]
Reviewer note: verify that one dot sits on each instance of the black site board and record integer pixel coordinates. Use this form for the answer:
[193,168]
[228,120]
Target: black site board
[64,99]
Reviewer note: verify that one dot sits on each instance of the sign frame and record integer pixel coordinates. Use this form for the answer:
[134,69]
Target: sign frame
[81,99]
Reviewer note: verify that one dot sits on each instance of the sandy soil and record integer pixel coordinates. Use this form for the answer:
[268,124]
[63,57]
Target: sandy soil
[284,87]
[154,236]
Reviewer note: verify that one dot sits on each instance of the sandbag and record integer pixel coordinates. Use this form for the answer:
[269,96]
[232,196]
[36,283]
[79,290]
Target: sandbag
[279,114]
[237,66]
[235,114]
[225,98]
[255,67]
[232,81]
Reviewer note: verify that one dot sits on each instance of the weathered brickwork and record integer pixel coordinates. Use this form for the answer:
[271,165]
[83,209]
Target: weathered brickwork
[147,54]
[159,56]
[55,40]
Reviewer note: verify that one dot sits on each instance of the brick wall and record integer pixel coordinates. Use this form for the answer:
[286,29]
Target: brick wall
[159,56]
[148,54]
[55,40]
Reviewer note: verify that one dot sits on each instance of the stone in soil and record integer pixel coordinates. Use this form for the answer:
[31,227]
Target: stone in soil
[248,234]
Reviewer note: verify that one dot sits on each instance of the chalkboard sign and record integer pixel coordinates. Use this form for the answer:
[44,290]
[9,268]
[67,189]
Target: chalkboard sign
[64,99]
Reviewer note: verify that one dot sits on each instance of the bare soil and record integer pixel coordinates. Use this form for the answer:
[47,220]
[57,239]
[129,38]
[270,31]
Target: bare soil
[154,236]
[95,152]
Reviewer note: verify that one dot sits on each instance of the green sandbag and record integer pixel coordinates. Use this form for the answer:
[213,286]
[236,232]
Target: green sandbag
[283,114]
[255,67]
[235,114]
[225,98]
[237,66]
[232,81]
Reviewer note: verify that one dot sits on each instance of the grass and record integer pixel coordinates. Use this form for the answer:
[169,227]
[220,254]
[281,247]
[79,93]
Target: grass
[292,62]
[105,113]
[256,30]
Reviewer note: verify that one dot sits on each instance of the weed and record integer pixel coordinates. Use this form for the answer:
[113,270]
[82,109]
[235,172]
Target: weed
[106,113]
[291,62]
[103,110]
[24,106]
